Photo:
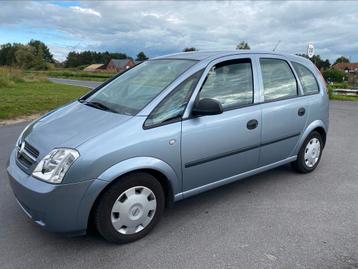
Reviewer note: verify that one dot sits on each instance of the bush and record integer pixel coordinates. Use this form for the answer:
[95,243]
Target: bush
[334,75]
[6,82]
[330,91]
[10,76]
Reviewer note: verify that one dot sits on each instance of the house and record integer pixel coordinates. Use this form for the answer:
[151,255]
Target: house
[346,67]
[94,68]
[350,68]
[119,65]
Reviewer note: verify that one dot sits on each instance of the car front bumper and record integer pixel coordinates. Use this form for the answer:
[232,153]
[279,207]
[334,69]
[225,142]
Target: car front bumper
[61,208]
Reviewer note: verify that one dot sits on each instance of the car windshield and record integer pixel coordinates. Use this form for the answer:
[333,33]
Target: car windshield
[133,90]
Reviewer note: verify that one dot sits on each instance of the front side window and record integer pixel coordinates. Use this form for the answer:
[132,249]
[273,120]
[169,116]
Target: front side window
[133,90]
[278,79]
[307,79]
[230,83]
[173,106]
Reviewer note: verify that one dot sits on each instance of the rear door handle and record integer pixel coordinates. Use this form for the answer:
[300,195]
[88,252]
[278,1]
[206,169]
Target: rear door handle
[301,111]
[252,124]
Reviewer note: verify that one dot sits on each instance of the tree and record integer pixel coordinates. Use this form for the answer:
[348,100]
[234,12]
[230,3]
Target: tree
[76,59]
[25,57]
[190,49]
[42,50]
[7,54]
[243,46]
[320,63]
[141,57]
[34,55]
[341,59]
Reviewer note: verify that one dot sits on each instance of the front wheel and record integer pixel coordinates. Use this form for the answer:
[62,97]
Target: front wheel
[130,208]
[309,154]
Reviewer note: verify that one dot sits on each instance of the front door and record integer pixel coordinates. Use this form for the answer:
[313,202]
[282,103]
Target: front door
[219,147]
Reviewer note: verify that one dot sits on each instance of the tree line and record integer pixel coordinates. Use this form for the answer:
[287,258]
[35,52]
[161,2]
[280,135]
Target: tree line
[35,55]
[77,59]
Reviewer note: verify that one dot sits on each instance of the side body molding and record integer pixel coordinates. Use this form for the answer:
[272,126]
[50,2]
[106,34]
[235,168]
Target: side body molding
[313,125]
[138,163]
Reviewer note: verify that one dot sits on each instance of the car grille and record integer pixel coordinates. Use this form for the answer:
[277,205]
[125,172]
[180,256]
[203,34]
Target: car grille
[26,154]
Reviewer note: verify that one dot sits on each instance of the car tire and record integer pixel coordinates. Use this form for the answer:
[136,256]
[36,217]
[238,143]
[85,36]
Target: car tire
[310,153]
[130,208]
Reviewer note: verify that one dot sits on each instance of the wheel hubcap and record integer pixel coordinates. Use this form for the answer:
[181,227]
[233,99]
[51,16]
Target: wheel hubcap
[133,210]
[312,152]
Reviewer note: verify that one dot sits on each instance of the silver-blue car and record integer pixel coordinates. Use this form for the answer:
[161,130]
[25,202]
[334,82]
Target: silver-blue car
[167,129]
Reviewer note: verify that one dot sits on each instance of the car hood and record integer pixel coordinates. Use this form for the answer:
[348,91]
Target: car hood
[70,126]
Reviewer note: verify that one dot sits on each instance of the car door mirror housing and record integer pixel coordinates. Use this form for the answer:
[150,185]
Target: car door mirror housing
[207,106]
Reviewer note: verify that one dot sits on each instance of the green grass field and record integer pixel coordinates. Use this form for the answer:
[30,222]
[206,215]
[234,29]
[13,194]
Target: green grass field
[73,74]
[26,94]
[28,98]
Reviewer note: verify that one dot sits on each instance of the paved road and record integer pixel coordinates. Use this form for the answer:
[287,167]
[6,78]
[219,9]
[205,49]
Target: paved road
[81,83]
[278,219]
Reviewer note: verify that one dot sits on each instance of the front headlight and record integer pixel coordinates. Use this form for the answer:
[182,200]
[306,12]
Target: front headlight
[53,166]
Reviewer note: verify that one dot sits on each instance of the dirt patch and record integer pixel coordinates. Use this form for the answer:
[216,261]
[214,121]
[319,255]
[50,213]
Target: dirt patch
[21,119]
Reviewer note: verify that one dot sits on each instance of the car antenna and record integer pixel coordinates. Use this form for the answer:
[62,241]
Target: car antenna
[278,43]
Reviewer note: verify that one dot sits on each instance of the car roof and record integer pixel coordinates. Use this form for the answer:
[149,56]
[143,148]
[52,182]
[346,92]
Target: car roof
[211,55]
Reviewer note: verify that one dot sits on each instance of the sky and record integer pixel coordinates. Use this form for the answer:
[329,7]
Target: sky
[159,28]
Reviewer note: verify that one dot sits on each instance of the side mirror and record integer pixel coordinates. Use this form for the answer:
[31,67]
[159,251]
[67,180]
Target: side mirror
[207,106]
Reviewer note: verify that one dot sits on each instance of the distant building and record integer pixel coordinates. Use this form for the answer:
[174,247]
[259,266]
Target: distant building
[346,67]
[120,65]
[94,67]
[350,68]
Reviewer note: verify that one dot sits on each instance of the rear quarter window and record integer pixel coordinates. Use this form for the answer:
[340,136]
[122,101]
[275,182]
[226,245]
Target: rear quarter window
[307,79]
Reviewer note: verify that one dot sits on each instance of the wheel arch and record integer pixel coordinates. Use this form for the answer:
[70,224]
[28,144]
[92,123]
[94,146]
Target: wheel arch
[155,167]
[318,126]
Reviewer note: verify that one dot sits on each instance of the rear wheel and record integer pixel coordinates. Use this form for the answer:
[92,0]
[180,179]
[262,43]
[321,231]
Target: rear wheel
[130,208]
[309,154]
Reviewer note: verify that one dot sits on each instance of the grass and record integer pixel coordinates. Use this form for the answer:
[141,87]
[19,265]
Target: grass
[72,74]
[340,85]
[26,94]
[344,98]
[333,96]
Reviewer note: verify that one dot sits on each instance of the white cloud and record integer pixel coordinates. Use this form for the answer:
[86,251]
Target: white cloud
[88,11]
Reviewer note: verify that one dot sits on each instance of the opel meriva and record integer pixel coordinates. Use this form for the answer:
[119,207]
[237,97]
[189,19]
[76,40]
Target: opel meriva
[167,129]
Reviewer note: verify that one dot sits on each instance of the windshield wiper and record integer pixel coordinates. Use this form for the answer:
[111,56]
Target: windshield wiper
[99,105]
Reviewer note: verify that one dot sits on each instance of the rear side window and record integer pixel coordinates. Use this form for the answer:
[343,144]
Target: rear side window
[307,79]
[278,79]
[171,109]
[230,83]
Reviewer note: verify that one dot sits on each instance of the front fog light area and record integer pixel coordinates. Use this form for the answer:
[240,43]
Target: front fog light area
[53,167]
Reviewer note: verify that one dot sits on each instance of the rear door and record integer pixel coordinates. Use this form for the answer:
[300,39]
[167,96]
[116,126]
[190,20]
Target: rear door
[219,147]
[284,112]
